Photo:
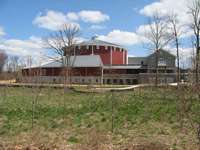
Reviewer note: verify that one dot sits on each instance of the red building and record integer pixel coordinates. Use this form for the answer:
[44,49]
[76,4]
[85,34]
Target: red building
[111,54]
[99,62]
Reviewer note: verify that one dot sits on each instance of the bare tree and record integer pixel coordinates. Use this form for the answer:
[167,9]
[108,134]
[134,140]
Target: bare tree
[176,33]
[63,43]
[12,64]
[158,37]
[194,11]
[3,58]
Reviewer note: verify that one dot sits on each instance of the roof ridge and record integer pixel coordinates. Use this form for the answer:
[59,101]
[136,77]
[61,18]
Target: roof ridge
[101,42]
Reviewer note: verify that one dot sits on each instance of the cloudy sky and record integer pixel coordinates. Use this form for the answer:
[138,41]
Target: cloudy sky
[23,23]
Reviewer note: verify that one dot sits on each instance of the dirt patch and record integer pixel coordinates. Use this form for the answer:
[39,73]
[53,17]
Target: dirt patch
[7,81]
[145,146]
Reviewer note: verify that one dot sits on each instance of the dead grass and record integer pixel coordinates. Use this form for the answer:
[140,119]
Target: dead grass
[143,119]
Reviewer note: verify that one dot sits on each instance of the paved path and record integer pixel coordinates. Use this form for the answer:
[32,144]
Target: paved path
[96,88]
[132,87]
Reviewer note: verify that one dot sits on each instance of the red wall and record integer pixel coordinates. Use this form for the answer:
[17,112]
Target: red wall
[92,71]
[117,55]
[125,57]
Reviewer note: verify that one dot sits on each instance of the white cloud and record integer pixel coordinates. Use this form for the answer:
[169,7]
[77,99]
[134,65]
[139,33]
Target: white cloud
[184,52]
[93,16]
[90,16]
[80,39]
[32,46]
[167,7]
[131,55]
[186,55]
[52,20]
[121,37]
[72,16]
[144,30]
[2,32]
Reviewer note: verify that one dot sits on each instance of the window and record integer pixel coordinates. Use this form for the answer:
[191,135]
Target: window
[108,81]
[115,81]
[87,47]
[128,81]
[97,46]
[104,81]
[121,81]
[162,62]
[135,81]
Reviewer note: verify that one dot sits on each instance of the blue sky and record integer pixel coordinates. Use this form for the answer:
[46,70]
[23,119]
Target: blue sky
[16,14]
[23,23]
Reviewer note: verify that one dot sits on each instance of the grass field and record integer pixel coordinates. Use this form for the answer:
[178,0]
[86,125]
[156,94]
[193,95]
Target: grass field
[50,117]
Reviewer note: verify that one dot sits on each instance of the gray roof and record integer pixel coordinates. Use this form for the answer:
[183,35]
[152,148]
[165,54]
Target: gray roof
[136,60]
[99,43]
[77,61]
[162,51]
[87,61]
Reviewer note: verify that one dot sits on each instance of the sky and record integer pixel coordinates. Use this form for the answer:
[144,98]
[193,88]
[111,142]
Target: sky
[24,23]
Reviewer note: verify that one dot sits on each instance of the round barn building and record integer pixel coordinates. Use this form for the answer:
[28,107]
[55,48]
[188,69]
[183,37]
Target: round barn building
[111,54]
[100,62]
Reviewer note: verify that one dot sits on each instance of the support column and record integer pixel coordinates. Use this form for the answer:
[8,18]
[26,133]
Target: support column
[126,57]
[111,56]
[102,76]
[92,49]
[74,50]
[123,55]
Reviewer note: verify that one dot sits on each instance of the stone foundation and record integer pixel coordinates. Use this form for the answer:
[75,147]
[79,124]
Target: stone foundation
[118,79]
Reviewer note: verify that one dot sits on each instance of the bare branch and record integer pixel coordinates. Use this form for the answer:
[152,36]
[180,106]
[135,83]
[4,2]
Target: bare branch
[63,44]
[194,12]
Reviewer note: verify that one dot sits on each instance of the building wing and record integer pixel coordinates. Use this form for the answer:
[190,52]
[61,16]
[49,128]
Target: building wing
[137,60]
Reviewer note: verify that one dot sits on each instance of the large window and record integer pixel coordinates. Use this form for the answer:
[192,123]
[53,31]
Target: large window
[162,62]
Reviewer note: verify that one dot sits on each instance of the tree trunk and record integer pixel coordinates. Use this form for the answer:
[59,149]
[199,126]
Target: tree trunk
[178,60]
[157,57]
[197,60]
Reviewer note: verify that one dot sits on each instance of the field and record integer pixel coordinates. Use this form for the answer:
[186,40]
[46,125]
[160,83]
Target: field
[53,118]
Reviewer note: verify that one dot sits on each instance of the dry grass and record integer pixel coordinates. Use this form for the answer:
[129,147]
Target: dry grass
[143,119]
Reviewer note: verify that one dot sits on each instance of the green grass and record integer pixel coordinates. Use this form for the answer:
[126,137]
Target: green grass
[142,113]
